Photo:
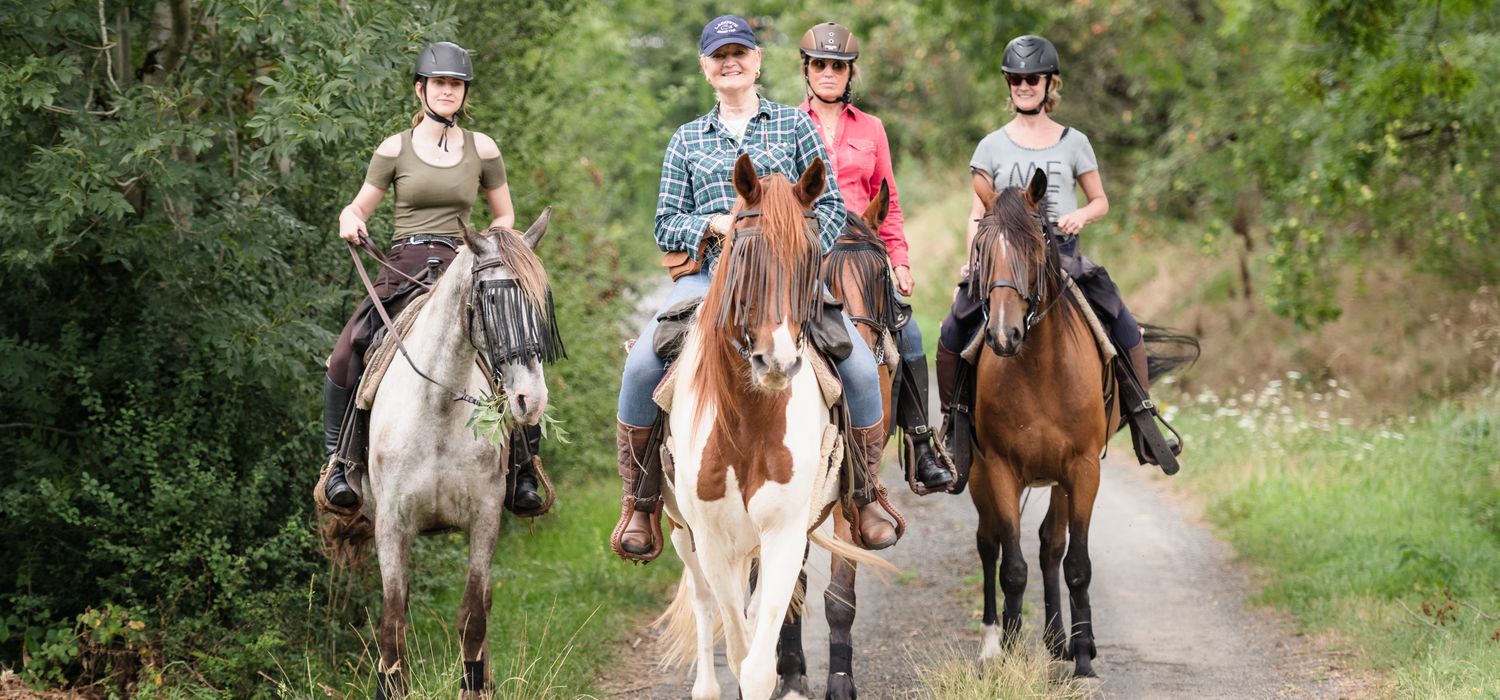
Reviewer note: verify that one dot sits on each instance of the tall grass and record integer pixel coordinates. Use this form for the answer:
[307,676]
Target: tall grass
[1026,672]
[1386,535]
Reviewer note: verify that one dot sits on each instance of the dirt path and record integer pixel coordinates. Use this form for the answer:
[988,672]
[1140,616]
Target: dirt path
[1169,606]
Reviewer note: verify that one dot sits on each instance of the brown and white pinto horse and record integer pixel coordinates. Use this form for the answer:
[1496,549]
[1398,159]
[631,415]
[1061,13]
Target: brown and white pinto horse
[747,429]
[1040,419]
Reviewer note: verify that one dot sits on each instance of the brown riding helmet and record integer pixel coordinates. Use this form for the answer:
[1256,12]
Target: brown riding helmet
[831,41]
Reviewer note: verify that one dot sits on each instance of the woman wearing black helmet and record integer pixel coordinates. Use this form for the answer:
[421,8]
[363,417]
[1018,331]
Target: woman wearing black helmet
[1008,156]
[860,155]
[436,169]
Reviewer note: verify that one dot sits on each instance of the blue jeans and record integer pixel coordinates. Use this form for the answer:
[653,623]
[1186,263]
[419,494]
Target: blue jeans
[909,341]
[644,370]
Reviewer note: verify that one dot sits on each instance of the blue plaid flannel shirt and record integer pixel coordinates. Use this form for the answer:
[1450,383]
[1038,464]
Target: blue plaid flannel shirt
[697,173]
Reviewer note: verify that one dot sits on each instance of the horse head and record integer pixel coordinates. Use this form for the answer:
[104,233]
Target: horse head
[765,291]
[1013,266]
[511,323]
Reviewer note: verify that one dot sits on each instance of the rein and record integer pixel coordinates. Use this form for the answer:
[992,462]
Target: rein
[456,394]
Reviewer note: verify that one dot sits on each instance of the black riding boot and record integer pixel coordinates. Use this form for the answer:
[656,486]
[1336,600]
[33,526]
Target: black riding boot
[956,393]
[522,497]
[911,413]
[1151,446]
[335,407]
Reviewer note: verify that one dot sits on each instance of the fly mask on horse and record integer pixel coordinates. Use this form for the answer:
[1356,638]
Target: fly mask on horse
[1039,420]
[491,314]
[747,431]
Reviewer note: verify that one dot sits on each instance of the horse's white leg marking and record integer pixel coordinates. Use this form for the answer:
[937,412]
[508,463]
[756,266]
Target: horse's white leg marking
[705,681]
[990,648]
[780,561]
[726,574]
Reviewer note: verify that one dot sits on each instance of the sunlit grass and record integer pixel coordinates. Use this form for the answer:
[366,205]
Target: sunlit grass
[953,673]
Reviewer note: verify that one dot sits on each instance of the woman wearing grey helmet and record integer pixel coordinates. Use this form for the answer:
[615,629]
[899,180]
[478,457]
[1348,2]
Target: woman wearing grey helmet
[860,155]
[436,168]
[1009,156]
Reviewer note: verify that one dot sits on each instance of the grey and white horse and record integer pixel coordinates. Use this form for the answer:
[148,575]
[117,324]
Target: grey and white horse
[427,470]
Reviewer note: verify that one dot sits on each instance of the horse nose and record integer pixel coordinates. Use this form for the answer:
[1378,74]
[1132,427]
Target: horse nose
[521,403]
[1013,335]
[758,362]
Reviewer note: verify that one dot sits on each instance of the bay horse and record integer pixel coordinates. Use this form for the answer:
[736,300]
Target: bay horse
[428,471]
[748,425]
[857,273]
[1040,419]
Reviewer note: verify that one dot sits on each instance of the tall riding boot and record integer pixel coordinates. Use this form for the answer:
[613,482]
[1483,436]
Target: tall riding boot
[522,497]
[637,537]
[911,414]
[956,394]
[1145,420]
[872,530]
[335,407]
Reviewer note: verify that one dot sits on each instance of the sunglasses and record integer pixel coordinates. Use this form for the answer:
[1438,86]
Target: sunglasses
[1029,79]
[820,65]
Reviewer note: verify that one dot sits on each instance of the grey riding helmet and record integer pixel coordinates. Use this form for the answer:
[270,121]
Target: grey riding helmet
[1030,54]
[446,59]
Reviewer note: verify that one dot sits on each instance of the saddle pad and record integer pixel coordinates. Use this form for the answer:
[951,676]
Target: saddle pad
[378,358]
[1101,336]
[826,481]
[828,381]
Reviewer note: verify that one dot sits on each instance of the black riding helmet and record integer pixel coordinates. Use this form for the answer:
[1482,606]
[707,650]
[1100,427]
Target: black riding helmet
[1028,54]
[449,60]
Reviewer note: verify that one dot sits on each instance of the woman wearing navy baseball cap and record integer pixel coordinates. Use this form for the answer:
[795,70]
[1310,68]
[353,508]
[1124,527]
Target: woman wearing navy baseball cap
[696,195]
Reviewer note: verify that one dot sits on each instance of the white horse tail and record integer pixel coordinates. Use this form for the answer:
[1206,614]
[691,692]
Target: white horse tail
[677,628]
[859,557]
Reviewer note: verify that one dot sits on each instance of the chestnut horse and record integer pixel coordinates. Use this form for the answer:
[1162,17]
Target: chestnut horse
[748,425]
[1040,419]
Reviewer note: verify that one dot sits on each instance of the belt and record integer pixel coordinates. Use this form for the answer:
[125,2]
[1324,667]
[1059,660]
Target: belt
[420,239]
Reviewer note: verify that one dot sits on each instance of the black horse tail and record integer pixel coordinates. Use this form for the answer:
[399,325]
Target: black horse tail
[1168,350]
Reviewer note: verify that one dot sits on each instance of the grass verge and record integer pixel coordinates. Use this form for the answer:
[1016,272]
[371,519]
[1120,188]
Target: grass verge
[1386,535]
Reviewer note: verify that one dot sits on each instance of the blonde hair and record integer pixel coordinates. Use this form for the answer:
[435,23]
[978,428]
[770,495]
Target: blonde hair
[1054,93]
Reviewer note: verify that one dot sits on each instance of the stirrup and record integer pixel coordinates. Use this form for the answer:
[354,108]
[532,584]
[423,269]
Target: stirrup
[945,461]
[1151,446]
[544,489]
[320,490]
[628,506]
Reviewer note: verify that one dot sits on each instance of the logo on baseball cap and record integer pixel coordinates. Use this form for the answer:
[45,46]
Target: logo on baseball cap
[727,29]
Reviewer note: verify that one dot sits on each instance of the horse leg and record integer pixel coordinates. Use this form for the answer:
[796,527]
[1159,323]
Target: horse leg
[781,554]
[838,609]
[706,681]
[1054,537]
[393,546]
[726,577]
[791,662]
[474,611]
[997,500]
[1077,570]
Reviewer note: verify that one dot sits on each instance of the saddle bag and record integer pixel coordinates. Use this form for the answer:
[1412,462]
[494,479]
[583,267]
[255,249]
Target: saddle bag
[679,263]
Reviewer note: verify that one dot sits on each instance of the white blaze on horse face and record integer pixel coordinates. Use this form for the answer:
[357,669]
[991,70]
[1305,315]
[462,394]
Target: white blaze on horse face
[525,390]
[774,369]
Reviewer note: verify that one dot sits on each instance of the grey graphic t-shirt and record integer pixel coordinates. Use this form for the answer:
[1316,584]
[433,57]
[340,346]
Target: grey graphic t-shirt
[1012,165]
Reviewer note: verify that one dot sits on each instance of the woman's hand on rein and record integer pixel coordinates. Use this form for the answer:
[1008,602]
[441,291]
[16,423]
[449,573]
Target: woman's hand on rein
[721,224]
[1072,222]
[352,229]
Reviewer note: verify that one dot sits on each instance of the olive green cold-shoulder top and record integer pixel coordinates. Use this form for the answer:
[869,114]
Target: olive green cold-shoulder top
[430,199]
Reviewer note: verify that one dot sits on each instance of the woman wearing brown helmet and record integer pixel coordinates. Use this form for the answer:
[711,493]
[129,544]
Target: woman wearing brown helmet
[1009,156]
[436,168]
[860,156]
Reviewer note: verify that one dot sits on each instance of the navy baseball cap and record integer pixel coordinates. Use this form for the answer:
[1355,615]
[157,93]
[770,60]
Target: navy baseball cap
[725,29]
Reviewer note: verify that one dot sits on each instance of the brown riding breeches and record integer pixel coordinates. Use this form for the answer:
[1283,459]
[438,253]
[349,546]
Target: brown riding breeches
[424,261]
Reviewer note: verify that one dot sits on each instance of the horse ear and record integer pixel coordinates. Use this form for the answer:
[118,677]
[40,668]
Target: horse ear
[472,238]
[538,229]
[812,182]
[984,187]
[746,182]
[879,207]
[1037,190]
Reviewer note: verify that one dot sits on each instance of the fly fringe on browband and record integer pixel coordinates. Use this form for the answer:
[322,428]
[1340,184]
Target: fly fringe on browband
[859,271]
[761,286]
[514,328]
[1033,255]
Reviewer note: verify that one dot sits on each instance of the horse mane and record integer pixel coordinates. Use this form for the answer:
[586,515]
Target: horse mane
[766,274]
[523,263]
[1014,224]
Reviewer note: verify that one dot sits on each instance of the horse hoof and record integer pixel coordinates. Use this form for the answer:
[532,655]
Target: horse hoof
[841,687]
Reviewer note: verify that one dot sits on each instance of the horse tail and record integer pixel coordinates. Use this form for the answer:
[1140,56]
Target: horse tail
[677,628]
[1168,350]
[345,539]
[855,555]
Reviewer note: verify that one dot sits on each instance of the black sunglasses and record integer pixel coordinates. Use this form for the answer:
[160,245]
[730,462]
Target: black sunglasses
[1029,78]
[819,64]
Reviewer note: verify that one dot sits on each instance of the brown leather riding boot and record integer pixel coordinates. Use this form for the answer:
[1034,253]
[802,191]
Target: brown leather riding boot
[947,375]
[637,537]
[872,529]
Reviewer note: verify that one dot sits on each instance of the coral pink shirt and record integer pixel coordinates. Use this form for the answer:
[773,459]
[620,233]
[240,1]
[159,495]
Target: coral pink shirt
[861,158]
